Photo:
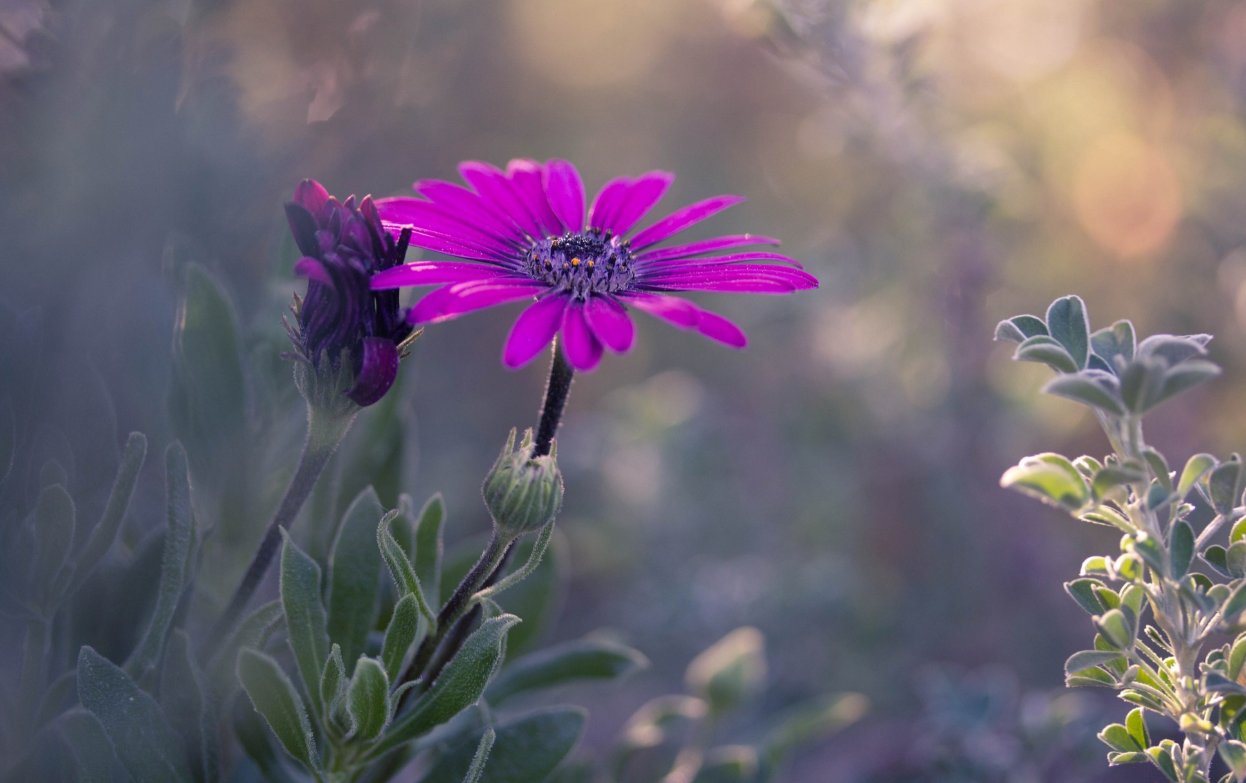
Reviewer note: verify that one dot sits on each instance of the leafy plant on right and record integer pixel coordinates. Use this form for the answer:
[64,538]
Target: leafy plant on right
[1169,610]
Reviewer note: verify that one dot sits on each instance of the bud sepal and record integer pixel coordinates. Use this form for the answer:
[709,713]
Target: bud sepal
[523,492]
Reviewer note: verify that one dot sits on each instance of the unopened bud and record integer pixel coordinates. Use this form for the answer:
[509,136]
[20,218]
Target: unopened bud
[523,492]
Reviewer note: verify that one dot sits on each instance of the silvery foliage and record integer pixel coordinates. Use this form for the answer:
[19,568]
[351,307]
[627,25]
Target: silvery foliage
[1169,610]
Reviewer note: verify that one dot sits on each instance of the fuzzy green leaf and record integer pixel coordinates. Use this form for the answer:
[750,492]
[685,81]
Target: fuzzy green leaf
[460,684]
[207,399]
[1233,754]
[1118,738]
[141,734]
[1235,559]
[1048,351]
[1181,552]
[1237,656]
[1135,722]
[814,721]
[1018,328]
[1066,321]
[55,528]
[403,631]
[367,699]
[254,631]
[400,567]
[1141,383]
[526,750]
[1116,628]
[94,758]
[175,563]
[730,670]
[429,548]
[305,615]
[1217,557]
[579,660]
[275,698]
[1095,388]
[189,703]
[1163,761]
[1113,476]
[1196,467]
[332,680]
[355,573]
[105,531]
[1225,486]
[1090,678]
[1083,591]
[1236,603]
[1088,659]
[1050,478]
[1117,340]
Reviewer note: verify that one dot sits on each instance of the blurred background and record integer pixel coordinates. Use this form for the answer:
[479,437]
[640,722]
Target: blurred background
[938,164]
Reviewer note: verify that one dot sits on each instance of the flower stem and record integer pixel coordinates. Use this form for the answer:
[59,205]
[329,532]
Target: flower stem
[556,391]
[325,432]
[454,613]
[457,615]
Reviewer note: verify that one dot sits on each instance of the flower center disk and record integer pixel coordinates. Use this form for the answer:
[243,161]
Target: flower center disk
[582,264]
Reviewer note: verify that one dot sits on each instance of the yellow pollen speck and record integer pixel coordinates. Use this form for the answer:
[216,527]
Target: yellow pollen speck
[575,262]
[591,263]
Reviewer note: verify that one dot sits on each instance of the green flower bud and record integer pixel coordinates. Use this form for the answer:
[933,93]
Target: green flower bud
[523,492]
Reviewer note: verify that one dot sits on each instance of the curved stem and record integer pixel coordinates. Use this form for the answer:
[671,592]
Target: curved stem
[325,432]
[557,389]
[457,616]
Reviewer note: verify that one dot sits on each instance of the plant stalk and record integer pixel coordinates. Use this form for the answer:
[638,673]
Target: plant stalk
[325,432]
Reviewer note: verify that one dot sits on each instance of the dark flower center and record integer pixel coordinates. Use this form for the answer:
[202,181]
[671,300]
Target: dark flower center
[585,263]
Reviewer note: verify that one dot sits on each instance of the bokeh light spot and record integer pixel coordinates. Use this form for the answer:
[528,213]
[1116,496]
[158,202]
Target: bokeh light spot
[1126,195]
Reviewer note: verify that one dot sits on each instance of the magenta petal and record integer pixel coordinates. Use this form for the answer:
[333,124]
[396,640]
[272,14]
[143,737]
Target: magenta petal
[494,186]
[631,201]
[686,315]
[377,370]
[311,196]
[609,320]
[424,216]
[665,265]
[457,299]
[671,309]
[466,203]
[432,273]
[716,327]
[606,205]
[565,191]
[312,269]
[533,330]
[732,286]
[681,219]
[582,349]
[451,246]
[528,179]
[762,278]
[706,246]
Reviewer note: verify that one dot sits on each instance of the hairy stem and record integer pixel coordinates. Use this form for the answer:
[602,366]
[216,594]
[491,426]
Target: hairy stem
[1166,602]
[557,389]
[457,616]
[324,433]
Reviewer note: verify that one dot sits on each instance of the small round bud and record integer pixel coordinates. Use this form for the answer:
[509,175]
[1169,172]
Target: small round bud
[523,492]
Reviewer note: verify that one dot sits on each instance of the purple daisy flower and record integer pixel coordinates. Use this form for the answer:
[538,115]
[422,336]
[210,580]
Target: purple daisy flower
[524,236]
[341,318]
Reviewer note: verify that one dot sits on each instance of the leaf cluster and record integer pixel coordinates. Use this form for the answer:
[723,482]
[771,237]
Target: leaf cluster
[1173,590]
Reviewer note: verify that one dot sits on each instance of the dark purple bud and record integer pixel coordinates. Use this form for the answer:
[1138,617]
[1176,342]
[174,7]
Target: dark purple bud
[377,371]
[350,336]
